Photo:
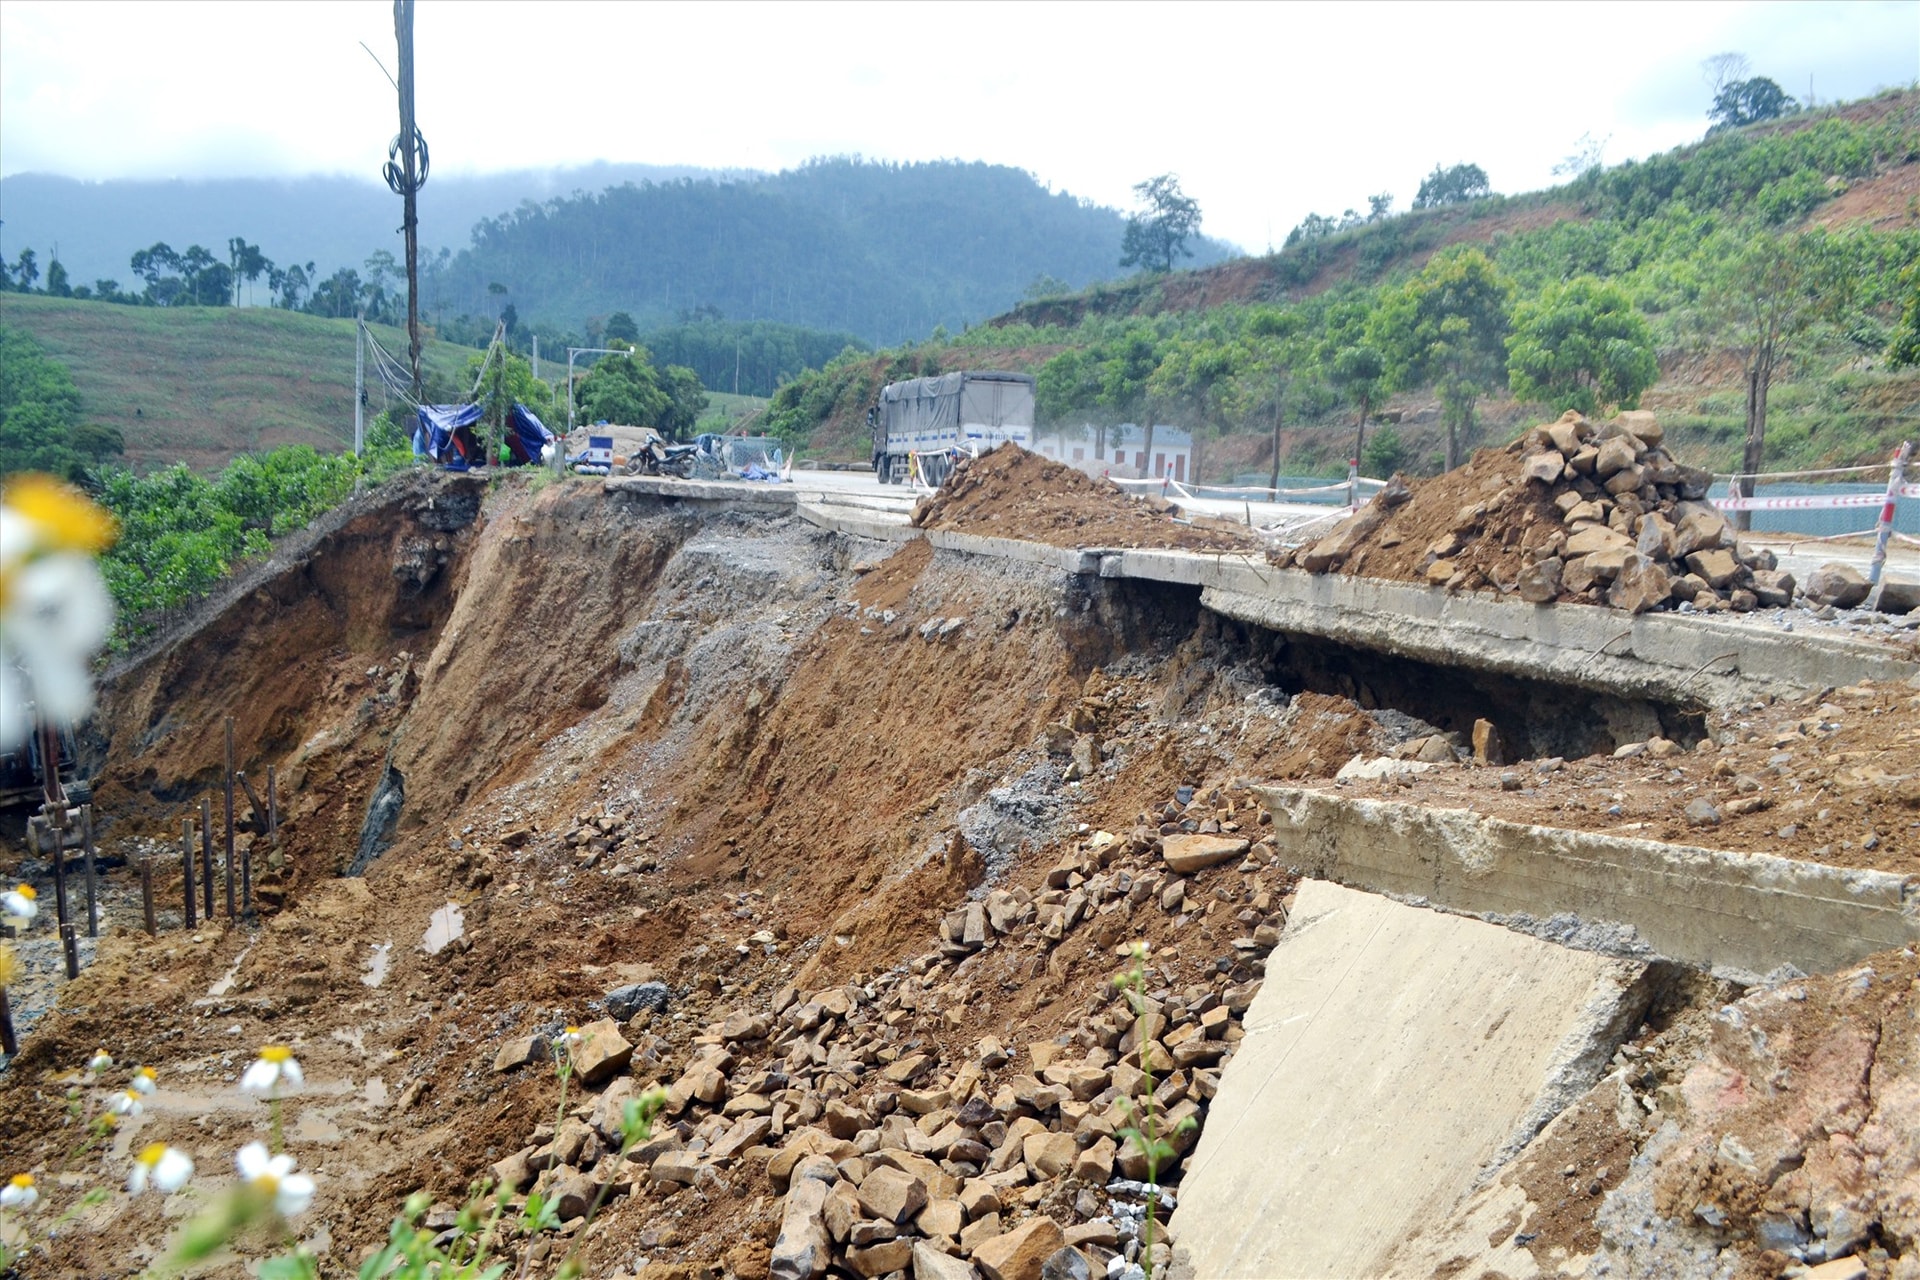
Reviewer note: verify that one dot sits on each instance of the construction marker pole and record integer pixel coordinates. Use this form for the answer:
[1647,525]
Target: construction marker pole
[1883,532]
[58,837]
[93,892]
[229,791]
[186,867]
[206,859]
[70,949]
[146,894]
[246,857]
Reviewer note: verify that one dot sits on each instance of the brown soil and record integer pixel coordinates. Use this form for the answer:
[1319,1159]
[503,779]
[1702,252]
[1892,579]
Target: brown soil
[1487,496]
[1827,779]
[1011,493]
[731,755]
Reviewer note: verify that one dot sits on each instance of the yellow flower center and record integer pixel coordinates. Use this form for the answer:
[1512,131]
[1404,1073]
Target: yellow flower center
[151,1154]
[276,1054]
[26,891]
[66,518]
[146,1072]
[22,1180]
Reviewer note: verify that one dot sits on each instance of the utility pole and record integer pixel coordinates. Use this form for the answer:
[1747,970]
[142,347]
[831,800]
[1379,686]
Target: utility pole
[407,177]
[536,357]
[360,385]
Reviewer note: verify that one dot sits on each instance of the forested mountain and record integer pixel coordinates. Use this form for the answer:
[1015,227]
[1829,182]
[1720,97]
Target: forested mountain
[886,251]
[334,221]
[1760,289]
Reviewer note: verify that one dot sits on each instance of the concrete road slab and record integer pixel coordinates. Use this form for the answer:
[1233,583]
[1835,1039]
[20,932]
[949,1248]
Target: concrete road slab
[1393,1057]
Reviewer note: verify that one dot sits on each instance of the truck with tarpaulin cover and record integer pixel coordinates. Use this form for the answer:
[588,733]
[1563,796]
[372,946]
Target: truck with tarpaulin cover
[922,426]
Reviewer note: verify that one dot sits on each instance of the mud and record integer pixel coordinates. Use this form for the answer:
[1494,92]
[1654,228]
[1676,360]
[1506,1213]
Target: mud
[737,757]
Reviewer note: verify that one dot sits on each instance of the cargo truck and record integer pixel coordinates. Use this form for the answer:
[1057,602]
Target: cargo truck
[921,427]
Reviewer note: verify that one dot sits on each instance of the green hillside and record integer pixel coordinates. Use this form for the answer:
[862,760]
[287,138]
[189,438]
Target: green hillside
[1660,249]
[201,384]
[885,251]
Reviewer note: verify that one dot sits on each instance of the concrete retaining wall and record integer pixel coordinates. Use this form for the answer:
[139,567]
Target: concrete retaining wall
[856,523]
[1739,915]
[736,493]
[1391,1058]
[1666,657]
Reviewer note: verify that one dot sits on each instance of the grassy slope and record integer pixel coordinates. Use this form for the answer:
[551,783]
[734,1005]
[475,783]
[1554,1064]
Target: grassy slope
[1823,413]
[199,384]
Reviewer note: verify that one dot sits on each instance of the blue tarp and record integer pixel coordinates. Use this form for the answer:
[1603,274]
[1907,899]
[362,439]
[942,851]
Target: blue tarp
[527,436]
[449,437]
[446,435]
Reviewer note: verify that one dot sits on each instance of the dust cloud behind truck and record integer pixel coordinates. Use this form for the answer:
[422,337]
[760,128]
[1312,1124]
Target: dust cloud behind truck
[926,424]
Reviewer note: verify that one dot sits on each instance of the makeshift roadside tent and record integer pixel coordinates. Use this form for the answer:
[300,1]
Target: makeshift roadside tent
[446,436]
[527,437]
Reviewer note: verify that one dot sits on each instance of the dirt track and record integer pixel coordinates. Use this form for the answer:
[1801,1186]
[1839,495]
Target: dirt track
[766,767]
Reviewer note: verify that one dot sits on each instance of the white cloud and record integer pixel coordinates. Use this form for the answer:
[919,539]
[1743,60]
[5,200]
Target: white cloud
[1267,112]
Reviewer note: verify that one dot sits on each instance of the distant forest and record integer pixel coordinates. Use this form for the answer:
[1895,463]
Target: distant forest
[885,251]
[766,274]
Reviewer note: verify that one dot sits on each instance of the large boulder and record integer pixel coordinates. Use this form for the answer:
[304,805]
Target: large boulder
[1540,581]
[802,1251]
[1840,585]
[1641,584]
[1021,1252]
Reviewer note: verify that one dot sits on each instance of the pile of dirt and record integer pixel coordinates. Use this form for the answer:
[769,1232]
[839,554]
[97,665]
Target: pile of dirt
[1570,511]
[1012,493]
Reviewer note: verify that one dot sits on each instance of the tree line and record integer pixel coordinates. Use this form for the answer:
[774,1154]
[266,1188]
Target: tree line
[1697,251]
[196,277]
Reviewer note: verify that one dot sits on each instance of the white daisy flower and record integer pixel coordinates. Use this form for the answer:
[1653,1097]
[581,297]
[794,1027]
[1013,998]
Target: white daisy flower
[274,1176]
[144,1081]
[160,1167]
[100,1061]
[569,1038]
[18,906]
[126,1103]
[275,1065]
[53,601]
[19,1193]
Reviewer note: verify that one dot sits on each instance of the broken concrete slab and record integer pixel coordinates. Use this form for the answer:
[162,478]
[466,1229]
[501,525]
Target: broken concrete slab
[1392,1058]
[1739,915]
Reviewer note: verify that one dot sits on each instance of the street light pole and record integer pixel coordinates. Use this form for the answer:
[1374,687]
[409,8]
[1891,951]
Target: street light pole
[585,351]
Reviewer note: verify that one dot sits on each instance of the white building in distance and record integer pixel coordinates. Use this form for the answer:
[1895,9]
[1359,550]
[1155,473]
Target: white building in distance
[1124,454]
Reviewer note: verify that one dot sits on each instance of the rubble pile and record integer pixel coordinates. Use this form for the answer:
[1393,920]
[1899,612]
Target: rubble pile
[892,1152]
[1011,493]
[1571,511]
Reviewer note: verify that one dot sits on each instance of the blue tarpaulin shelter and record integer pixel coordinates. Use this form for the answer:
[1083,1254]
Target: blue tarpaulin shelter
[527,436]
[446,436]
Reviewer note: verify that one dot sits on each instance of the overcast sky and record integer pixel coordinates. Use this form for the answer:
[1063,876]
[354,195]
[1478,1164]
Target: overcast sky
[1266,112]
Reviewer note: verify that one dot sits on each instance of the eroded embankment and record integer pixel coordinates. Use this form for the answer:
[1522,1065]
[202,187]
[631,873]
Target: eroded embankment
[880,823]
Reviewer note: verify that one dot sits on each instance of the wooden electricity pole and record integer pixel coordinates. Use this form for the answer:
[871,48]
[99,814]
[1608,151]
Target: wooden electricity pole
[407,178]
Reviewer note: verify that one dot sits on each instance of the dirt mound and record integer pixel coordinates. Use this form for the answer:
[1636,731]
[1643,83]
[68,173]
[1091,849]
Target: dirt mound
[1011,493]
[1569,511]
